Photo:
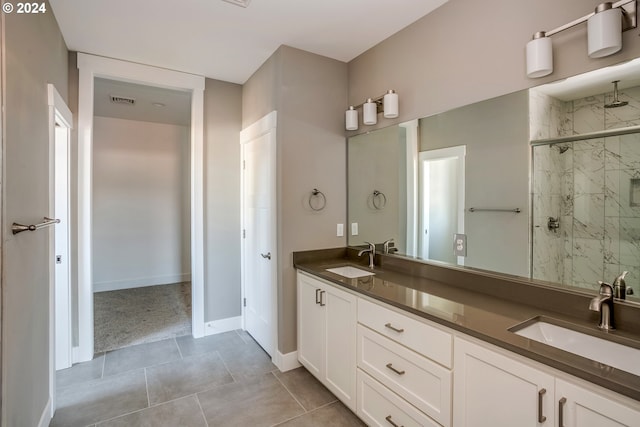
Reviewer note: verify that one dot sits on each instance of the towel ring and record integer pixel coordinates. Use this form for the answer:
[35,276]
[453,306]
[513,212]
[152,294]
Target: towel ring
[379,200]
[319,195]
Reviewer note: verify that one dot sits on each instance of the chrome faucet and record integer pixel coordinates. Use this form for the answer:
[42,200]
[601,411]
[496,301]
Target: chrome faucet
[371,251]
[387,245]
[603,303]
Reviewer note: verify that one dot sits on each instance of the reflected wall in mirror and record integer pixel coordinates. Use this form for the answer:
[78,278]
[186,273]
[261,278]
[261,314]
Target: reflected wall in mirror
[576,187]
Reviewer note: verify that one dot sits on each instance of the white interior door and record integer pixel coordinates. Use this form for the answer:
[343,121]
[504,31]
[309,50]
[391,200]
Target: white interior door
[259,248]
[63,343]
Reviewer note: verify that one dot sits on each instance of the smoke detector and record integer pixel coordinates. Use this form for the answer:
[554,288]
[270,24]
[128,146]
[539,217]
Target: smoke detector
[241,3]
[122,100]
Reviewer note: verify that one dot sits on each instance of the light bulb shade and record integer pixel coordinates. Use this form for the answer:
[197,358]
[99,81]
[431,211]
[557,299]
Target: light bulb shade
[369,112]
[604,30]
[539,57]
[390,102]
[351,119]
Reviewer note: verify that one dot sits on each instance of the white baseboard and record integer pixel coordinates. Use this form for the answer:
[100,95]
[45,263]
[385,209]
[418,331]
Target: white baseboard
[45,418]
[222,325]
[141,282]
[286,362]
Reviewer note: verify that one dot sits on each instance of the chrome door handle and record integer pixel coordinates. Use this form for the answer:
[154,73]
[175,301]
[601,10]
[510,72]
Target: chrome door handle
[267,255]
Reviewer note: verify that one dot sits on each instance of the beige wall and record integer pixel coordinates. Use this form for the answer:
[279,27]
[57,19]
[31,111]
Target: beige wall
[141,204]
[35,55]
[467,51]
[222,125]
[309,93]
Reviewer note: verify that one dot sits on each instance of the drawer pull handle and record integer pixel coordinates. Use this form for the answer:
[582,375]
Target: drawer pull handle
[541,418]
[322,304]
[561,403]
[388,418]
[390,366]
[388,325]
[318,296]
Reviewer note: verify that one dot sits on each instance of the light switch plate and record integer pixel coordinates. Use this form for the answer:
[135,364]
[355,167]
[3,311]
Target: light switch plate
[460,244]
[340,230]
[354,228]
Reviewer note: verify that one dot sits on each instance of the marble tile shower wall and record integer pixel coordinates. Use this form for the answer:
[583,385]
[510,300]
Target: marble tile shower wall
[592,186]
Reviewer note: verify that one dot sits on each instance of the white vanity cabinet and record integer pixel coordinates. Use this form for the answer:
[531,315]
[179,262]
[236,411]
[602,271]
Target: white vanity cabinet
[410,361]
[327,336]
[588,407]
[491,389]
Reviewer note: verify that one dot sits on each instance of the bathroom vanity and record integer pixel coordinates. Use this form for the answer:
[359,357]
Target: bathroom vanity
[419,344]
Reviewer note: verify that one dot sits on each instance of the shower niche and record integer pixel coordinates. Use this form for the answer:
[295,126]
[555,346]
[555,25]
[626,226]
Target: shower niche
[586,186]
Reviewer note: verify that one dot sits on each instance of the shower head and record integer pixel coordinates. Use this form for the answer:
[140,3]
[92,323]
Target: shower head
[616,102]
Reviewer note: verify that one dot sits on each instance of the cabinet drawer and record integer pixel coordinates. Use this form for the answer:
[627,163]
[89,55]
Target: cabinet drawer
[378,406]
[421,382]
[425,339]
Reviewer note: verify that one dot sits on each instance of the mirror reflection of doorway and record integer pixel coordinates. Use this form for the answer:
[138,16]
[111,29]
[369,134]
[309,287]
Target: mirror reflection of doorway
[441,199]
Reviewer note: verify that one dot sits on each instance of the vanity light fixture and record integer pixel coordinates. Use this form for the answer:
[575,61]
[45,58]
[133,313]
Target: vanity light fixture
[604,31]
[386,104]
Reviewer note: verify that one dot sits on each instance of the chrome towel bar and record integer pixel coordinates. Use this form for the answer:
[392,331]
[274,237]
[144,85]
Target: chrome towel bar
[19,228]
[516,210]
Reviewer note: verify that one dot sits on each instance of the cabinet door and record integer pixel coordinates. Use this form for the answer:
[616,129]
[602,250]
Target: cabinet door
[491,389]
[310,325]
[340,344]
[580,407]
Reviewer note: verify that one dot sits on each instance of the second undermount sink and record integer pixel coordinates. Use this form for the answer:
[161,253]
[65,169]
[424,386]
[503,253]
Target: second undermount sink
[610,353]
[350,272]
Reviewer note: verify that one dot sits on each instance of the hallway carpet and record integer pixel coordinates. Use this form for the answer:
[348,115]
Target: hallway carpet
[141,315]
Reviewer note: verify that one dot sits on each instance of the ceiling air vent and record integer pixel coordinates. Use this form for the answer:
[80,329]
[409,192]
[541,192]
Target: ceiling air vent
[122,100]
[241,3]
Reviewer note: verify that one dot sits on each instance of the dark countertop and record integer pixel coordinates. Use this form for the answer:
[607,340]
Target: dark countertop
[477,314]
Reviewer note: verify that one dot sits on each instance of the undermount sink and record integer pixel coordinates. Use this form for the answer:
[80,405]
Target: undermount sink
[610,353]
[350,272]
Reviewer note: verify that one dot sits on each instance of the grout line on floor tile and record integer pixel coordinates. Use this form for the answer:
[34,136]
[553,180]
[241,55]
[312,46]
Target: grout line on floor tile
[306,413]
[178,345]
[146,387]
[289,391]
[104,362]
[226,367]
[202,410]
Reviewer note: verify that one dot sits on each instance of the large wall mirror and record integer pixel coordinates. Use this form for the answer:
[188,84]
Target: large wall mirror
[542,183]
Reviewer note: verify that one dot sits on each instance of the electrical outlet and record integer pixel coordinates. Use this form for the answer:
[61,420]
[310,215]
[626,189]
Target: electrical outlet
[460,244]
[354,228]
[340,230]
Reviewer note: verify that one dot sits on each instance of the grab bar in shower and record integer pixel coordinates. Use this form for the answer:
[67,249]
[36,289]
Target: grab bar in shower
[19,228]
[516,210]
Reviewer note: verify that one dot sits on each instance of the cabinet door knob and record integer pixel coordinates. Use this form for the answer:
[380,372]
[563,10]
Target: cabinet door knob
[388,325]
[541,418]
[390,421]
[390,366]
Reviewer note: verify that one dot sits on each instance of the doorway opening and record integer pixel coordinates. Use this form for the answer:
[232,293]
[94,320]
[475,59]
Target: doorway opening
[141,214]
[441,203]
[90,69]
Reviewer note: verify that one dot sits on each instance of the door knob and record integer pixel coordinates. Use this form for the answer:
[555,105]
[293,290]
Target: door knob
[267,255]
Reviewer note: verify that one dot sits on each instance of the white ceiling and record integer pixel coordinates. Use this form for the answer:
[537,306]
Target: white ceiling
[223,41]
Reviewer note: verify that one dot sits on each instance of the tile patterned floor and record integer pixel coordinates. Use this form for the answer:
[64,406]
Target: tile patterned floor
[224,379]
